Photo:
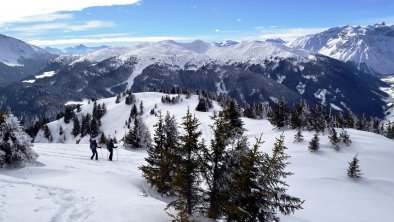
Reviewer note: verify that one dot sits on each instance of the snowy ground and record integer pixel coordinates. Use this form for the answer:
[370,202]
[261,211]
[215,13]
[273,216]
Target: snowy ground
[390,100]
[71,187]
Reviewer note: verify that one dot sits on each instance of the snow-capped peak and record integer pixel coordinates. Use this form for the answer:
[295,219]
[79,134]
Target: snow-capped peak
[370,47]
[14,51]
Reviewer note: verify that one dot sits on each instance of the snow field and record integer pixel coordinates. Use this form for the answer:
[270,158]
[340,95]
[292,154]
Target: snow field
[71,187]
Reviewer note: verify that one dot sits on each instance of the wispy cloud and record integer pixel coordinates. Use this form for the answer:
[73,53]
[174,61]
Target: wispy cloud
[22,10]
[65,27]
[62,42]
[224,31]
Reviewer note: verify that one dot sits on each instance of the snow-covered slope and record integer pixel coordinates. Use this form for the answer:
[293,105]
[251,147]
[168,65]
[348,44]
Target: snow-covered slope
[76,50]
[71,187]
[390,99]
[19,59]
[195,54]
[199,52]
[371,48]
[14,51]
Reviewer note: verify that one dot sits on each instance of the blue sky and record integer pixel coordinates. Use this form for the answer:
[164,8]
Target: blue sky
[64,23]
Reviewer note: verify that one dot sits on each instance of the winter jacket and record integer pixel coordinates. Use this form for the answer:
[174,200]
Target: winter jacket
[93,144]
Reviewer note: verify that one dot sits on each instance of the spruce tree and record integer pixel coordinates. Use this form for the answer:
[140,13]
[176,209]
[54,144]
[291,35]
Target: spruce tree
[103,139]
[141,108]
[117,100]
[214,162]
[345,137]
[85,127]
[314,143]
[354,171]
[334,139]
[317,119]
[68,114]
[298,116]
[15,145]
[94,128]
[61,131]
[243,196]
[232,114]
[158,170]
[134,112]
[47,133]
[279,114]
[273,179]
[186,179]
[298,137]
[77,127]
[258,187]
[204,104]
[138,136]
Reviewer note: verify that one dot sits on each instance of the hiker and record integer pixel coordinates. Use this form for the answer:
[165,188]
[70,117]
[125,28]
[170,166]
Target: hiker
[110,147]
[93,147]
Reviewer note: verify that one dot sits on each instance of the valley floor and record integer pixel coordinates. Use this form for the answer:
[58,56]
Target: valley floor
[71,187]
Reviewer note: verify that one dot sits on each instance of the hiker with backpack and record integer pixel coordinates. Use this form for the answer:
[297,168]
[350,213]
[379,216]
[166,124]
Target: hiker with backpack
[110,147]
[93,147]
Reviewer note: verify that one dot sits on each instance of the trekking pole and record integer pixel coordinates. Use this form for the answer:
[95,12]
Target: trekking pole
[117,154]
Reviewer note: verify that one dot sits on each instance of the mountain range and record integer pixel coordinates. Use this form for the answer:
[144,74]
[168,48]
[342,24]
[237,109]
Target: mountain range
[249,71]
[80,49]
[371,47]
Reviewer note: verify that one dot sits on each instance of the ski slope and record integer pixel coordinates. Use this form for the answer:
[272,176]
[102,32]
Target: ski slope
[68,186]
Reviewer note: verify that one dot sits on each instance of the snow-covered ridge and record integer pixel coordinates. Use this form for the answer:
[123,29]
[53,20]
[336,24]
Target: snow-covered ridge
[181,53]
[12,51]
[196,54]
[370,47]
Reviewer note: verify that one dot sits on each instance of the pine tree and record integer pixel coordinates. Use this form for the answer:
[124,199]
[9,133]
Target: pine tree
[345,137]
[214,162]
[273,179]
[133,112]
[160,164]
[279,114]
[141,108]
[94,128]
[232,114]
[314,143]
[85,127]
[117,100]
[354,171]
[258,187]
[334,139]
[47,133]
[242,185]
[204,104]
[298,137]
[68,114]
[103,139]
[77,127]
[15,145]
[61,131]
[317,119]
[138,136]
[186,179]
[298,116]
